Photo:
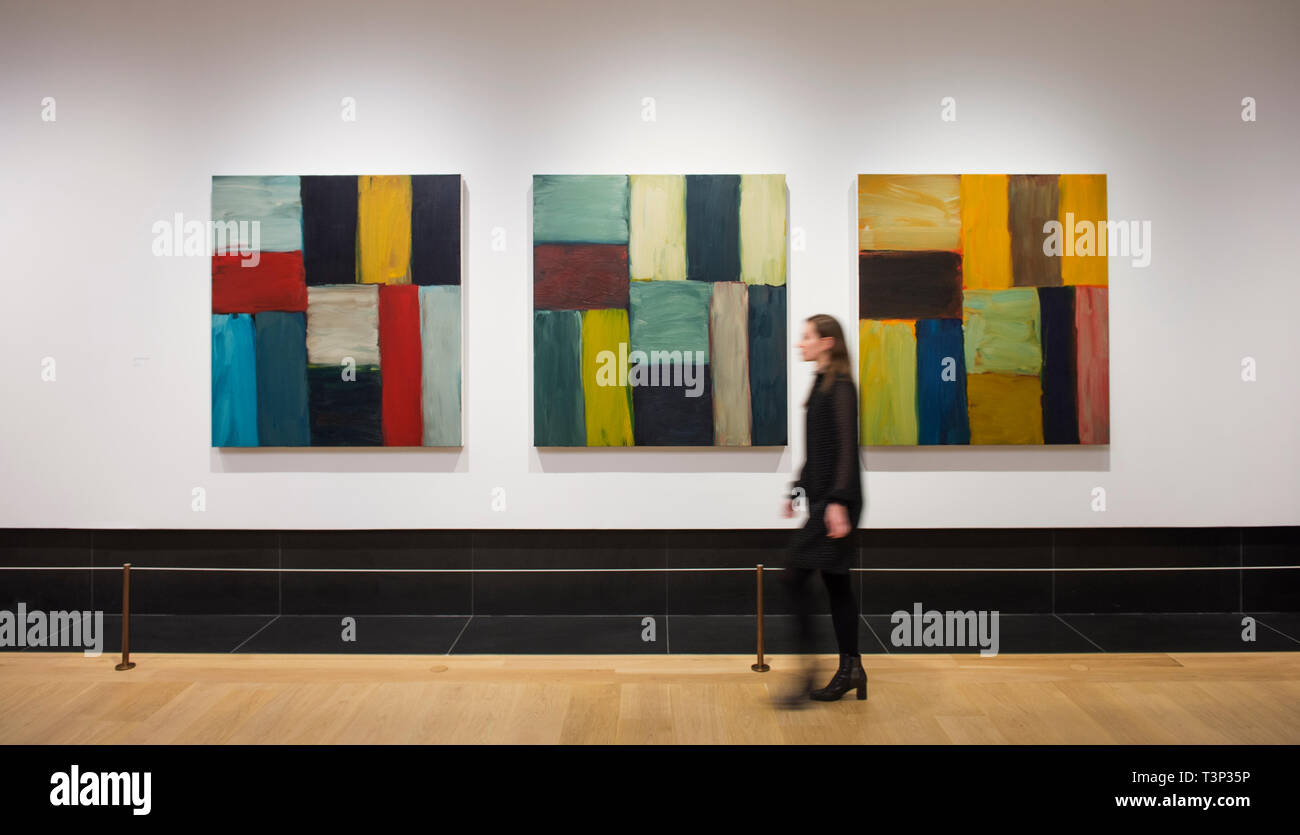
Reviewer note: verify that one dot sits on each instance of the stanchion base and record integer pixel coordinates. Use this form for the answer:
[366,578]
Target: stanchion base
[759,668]
[126,665]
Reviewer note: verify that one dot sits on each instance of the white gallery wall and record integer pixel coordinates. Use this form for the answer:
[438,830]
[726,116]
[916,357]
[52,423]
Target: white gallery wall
[153,98]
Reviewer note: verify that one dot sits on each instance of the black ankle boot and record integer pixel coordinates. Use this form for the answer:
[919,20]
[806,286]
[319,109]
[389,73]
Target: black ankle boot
[848,676]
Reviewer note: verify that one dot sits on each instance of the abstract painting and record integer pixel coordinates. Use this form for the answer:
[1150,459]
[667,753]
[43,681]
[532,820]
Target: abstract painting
[982,309]
[659,310]
[343,325]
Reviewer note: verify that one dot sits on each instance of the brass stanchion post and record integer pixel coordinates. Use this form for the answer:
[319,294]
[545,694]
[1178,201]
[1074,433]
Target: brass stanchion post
[760,667]
[127,663]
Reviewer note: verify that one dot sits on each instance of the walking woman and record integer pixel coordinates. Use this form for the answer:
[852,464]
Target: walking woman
[831,479]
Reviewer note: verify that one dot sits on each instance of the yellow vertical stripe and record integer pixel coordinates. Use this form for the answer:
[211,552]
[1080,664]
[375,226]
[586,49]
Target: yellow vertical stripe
[384,230]
[1084,196]
[608,404]
[762,229]
[656,244]
[985,236]
[887,371]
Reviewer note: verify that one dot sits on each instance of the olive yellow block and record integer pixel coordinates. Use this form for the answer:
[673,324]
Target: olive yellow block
[1005,408]
[887,371]
[607,402]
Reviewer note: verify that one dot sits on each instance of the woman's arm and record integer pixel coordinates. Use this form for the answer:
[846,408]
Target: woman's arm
[797,486]
[845,409]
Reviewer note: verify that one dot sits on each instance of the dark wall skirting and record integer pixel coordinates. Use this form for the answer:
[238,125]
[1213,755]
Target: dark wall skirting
[649,593]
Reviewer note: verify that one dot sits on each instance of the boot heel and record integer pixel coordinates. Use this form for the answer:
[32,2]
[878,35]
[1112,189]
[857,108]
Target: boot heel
[862,691]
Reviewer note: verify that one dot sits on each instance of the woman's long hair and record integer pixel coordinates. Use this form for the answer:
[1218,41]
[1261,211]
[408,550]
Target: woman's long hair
[838,363]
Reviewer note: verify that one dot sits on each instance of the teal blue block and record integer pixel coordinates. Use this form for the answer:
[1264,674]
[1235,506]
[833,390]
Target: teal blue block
[588,209]
[559,406]
[234,380]
[669,316]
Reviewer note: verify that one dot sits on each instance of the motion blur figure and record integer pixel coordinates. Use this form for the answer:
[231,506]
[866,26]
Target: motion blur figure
[831,480]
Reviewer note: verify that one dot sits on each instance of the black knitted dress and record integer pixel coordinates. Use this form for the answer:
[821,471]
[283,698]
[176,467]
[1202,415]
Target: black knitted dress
[832,472]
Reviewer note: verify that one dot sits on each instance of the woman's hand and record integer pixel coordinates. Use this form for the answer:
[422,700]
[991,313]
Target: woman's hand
[787,508]
[837,521]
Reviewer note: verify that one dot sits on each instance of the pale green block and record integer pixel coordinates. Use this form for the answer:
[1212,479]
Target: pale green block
[1003,331]
[574,208]
[275,202]
[670,316]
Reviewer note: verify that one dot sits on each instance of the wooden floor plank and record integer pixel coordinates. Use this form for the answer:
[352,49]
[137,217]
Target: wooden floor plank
[1151,698]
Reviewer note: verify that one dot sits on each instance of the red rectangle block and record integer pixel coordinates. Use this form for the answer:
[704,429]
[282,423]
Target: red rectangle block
[1092,352]
[399,364]
[580,276]
[277,282]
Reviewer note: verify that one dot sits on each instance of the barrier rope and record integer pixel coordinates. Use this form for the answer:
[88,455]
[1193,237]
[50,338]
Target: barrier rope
[758,666]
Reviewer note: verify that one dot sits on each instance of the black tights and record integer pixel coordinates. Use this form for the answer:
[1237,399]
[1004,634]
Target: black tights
[844,607]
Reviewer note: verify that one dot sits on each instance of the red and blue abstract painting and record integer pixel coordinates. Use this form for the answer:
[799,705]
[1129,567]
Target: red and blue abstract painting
[336,311]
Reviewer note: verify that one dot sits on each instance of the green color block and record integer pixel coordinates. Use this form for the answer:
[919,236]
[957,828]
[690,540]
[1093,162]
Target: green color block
[591,209]
[1002,331]
[670,316]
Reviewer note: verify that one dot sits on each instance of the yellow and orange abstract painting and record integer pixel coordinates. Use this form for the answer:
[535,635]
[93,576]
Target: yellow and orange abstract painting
[982,309]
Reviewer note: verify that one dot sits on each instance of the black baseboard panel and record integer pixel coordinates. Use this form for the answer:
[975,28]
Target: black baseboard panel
[485,593]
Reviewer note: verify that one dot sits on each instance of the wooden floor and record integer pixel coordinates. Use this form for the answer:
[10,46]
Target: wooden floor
[1028,699]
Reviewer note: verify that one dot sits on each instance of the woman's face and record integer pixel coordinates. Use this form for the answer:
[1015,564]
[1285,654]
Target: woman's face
[812,346]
